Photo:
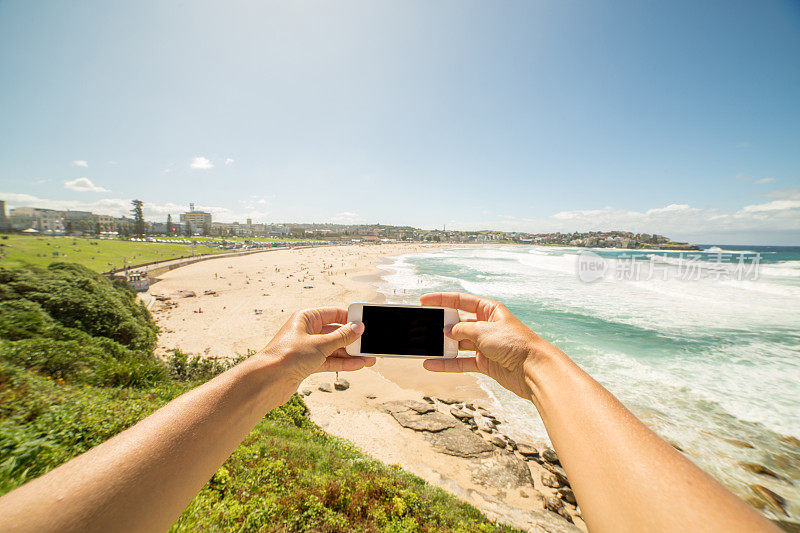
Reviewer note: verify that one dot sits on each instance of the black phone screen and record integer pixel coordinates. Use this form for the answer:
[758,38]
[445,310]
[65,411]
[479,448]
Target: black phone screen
[403,331]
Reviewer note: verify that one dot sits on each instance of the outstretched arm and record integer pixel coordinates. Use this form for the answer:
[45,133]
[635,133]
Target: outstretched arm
[144,477]
[624,476]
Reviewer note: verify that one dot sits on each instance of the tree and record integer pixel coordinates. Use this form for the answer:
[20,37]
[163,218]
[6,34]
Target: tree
[138,217]
[206,229]
[169,224]
[188,229]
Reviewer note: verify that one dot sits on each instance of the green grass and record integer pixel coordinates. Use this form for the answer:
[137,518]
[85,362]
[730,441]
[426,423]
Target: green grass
[70,379]
[99,255]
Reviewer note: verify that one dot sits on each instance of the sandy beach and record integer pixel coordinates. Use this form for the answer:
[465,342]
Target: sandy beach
[395,411]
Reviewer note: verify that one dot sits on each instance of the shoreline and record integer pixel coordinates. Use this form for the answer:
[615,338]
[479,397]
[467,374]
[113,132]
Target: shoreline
[207,309]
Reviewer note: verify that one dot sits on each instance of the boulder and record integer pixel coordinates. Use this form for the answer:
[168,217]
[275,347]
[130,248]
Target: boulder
[305,392]
[459,441]
[791,441]
[325,387]
[511,443]
[484,424]
[760,470]
[341,384]
[527,450]
[565,513]
[418,416]
[549,479]
[503,471]
[448,401]
[766,498]
[371,396]
[498,441]
[558,471]
[429,399]
[460,414]
[567,495]
[738,443]
[470,406]
[550,456]
[551,503]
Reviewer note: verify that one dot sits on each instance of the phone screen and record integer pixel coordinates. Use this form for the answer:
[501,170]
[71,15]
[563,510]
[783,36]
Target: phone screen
[403,331]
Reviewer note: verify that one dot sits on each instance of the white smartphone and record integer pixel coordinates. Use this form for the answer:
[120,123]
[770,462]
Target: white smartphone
[392,330]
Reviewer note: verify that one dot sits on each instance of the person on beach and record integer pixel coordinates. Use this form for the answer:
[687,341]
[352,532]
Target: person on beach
[624,476]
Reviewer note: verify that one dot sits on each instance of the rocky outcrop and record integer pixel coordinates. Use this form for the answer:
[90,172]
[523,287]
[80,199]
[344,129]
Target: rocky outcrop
[460,442]
[503,470]
[418,416]
[766,498]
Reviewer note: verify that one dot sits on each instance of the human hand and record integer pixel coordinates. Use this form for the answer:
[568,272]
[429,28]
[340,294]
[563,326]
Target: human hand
[313,340]
[504,345]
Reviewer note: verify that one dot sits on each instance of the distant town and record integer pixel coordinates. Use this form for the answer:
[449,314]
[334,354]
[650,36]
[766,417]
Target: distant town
[194,224]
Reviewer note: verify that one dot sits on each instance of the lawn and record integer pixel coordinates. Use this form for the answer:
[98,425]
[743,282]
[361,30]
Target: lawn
[97,254]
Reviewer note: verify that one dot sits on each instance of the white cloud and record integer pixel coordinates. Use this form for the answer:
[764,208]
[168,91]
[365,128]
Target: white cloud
[346,217]
[764,181]
[113,162]
[83,185]
[228,160]
[41,181]
[201,163]
[80,163]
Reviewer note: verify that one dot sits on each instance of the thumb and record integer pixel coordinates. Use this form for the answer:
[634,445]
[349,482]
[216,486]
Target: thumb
[467,331]
[340,337]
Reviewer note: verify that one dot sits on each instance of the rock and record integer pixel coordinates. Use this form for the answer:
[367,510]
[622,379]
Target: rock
[484,424]
[791,441]
[549,479]
[459,441]
[371,396]
[767,498]
[738,443]
[760,470]
[429,399]
[503,471]
[567,495]
[483,412]
[341,384]
[551,503]
[498,441]
[527,450]
[186,294]
[460,414]
[470,406]
[550,456]
[789,527]
[305,392]
[563,512]
[448,401]
[558,471]
[418,416]
[511,443]
[325,387]
[523,494]
[676,446]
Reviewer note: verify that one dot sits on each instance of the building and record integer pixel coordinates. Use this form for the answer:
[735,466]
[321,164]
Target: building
[42,220]
[198,220]
[104,223]
[78,221]
[5,224]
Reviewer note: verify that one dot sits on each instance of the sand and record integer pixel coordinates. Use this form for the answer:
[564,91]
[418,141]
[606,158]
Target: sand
[222,319]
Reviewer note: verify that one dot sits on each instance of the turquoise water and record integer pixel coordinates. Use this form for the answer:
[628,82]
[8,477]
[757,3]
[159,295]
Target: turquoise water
[703,347]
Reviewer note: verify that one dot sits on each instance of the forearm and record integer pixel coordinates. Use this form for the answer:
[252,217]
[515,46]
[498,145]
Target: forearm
[625,477]
[144,477]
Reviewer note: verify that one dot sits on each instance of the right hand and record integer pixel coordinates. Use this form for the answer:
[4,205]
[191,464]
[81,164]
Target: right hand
[504,345]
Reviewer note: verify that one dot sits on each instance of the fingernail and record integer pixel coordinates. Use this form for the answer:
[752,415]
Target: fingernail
[357,327]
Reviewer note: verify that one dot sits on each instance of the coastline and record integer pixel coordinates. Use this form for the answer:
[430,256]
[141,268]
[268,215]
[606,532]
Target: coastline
[499,480]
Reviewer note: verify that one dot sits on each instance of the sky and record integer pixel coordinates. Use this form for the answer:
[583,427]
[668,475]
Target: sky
[680,118]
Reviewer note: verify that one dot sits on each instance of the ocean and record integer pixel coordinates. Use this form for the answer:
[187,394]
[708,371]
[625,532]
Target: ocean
[704,346]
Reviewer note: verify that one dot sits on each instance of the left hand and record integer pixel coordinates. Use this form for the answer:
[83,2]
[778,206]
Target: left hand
[313,340]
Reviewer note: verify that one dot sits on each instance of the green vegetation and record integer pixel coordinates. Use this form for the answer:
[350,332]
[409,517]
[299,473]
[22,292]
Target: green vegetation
[102,255]
[76,367]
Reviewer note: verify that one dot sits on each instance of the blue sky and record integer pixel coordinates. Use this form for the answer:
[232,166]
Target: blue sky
[681,118]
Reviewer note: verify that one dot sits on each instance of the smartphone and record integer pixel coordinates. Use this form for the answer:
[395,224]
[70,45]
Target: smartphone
[392,330]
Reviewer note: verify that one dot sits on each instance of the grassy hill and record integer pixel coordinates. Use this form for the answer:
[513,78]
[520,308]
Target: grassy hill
[77,367]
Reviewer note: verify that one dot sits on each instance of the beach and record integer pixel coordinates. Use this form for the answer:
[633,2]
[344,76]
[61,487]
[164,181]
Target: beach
[229,306]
